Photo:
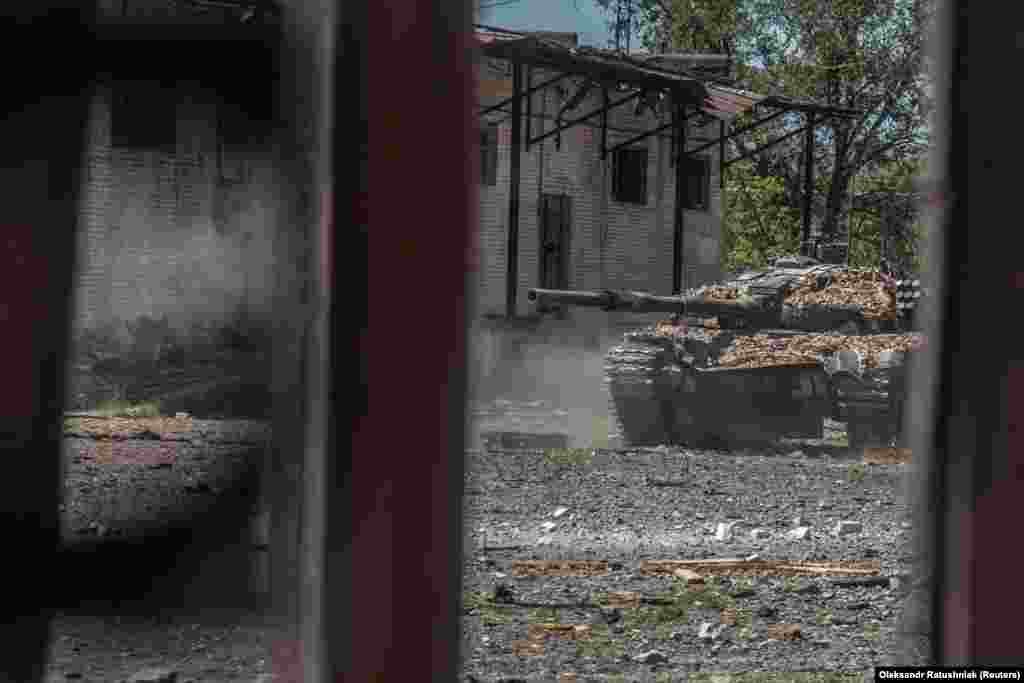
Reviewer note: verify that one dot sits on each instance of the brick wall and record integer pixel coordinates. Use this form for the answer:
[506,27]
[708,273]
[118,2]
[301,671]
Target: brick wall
[161,235]
[613,245]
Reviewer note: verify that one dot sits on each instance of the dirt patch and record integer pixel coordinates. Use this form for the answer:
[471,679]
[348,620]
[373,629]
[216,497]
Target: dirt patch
[888,456]
[739,567]
[559,568]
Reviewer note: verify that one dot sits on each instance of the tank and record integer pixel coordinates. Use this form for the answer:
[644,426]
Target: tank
[764,356]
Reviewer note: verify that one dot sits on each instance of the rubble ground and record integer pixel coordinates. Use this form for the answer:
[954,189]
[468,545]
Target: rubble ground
[126,477]
[795,563]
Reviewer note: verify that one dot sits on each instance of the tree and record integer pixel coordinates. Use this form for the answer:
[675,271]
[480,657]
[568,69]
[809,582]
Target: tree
[866,55]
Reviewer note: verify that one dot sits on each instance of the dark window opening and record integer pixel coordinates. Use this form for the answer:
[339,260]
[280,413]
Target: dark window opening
[629,176]
[144,115]
[489,154]
[697,183]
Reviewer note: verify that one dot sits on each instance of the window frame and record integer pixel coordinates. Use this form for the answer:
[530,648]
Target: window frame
[489,154]
[620,165]
[703,201]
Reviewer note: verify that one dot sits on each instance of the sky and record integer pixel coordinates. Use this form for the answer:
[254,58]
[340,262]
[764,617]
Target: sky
[571,16]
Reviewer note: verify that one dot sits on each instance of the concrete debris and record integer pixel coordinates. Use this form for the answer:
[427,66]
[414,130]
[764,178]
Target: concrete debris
[548,526]
[688,576]
[847,527]
[559,511]
[651,657]
[708,631]
[723,532]
[784,632]
[544,540]
[760,533]
[154,676]
[799,533]
[844,617]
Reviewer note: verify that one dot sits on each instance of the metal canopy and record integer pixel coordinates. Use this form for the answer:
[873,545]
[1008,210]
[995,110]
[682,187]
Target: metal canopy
[691,94]
[602,66]
[611,68]
[608,69]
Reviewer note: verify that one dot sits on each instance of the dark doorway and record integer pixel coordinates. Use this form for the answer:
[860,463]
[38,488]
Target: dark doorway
[555,227]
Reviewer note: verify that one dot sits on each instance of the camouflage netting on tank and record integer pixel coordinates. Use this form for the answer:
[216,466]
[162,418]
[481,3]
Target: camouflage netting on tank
[765,351]
[871,293]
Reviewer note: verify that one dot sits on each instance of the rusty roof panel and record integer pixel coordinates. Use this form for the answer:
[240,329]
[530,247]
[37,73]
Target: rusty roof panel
[727,103]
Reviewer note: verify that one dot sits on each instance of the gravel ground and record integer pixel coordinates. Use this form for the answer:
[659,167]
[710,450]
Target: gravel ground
[126,480]
[628,506]
[618,506]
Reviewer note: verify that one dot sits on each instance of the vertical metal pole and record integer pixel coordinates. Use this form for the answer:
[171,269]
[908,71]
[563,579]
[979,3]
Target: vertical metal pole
[677,235]
[529,107]
[675,136]
[604,123]
[721,154]
[512,247]
[808,184]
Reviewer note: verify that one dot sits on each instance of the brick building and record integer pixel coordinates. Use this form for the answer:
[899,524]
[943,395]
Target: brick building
[184,211]
[587,222]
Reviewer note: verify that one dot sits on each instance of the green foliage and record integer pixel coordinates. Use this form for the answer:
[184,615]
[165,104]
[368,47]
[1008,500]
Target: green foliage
[568,457]
[599,643]
[866,55]
[872,631]
[757,225]
[480,603]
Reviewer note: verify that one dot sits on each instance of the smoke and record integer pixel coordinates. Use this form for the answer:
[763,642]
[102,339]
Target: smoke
[561,365]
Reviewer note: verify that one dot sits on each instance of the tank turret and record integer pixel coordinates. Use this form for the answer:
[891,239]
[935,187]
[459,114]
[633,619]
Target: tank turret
[762,356]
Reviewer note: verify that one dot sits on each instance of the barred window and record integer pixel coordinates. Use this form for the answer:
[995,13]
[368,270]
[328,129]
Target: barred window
[697,183]
[629,176]
[489,154]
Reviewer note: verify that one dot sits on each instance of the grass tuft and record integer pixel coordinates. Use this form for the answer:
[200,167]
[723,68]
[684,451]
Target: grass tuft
[121,408]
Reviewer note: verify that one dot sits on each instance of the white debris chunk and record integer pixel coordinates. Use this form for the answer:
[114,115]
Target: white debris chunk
[723,532]
[847,527]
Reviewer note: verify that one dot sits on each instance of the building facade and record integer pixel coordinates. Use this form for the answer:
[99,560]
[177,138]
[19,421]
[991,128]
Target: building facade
[587,222]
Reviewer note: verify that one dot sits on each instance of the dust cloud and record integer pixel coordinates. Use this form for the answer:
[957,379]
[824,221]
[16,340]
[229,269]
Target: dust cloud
[559,364]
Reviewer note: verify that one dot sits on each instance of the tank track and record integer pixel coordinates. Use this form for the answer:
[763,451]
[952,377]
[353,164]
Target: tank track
[635,374]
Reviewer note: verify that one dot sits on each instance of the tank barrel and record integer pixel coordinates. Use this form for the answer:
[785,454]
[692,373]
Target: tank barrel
[569,297]
[641,302]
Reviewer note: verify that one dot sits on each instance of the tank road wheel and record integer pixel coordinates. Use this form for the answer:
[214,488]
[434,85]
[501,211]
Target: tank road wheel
[851,328]
[636,374]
